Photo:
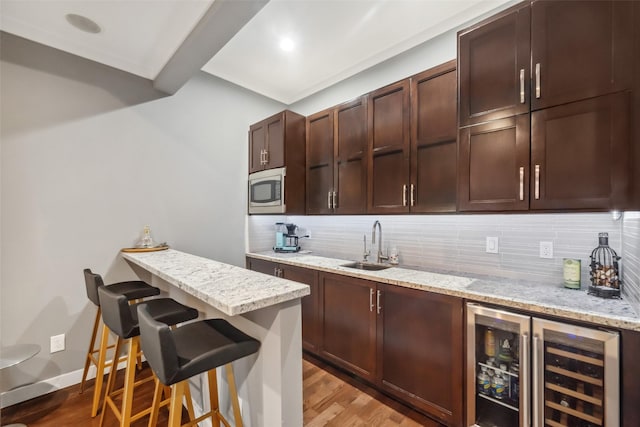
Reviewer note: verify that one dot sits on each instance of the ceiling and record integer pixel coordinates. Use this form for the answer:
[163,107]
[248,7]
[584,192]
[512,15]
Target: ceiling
[332,39]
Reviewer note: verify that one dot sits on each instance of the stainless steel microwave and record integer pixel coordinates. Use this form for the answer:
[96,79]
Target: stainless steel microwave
[266,191]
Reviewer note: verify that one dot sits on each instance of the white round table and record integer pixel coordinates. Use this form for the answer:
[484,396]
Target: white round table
[14,354]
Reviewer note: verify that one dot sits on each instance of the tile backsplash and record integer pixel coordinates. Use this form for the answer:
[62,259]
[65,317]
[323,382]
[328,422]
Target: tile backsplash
[457,243]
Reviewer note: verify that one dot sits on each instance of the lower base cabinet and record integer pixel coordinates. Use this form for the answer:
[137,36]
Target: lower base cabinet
[348,323]
[420,350]
[406,342]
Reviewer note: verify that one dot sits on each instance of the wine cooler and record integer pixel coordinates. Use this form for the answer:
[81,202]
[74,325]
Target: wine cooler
[524,371]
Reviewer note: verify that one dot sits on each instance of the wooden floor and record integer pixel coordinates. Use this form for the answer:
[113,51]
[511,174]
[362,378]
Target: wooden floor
[331,398]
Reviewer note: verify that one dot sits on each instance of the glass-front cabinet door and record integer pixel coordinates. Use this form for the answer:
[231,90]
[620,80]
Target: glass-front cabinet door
[497,367]
[576,376]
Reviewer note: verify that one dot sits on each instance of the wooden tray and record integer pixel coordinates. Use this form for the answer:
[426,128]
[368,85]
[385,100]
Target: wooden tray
[154,249]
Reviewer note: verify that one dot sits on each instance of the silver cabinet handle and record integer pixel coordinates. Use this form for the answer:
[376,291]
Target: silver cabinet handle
[538,80]
[521,183]
[536,190]
[335,200]
[275,271]
[524,380]
[404,195]
[370,299]
[263,157]
[378,302]
[522,86]
[266,157]
[413,196]
[329,199]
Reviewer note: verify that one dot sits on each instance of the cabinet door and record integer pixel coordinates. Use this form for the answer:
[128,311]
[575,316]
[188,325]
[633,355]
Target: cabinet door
[494,165]
[320,162]
[262,266]
[274,128]
[257,144]
[420,344]
[350,157]
[493,64]
[579,50]
[389,127]
[309,304]
[349,323]
[580,154]
[434,142]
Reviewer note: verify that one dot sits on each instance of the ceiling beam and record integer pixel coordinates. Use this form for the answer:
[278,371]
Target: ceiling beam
[218,25]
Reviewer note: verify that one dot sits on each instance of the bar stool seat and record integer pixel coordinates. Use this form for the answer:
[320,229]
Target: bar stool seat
[179,354]
[122,319]
[132,290]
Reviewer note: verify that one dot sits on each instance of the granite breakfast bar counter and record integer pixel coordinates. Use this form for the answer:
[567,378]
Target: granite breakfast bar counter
[265,307]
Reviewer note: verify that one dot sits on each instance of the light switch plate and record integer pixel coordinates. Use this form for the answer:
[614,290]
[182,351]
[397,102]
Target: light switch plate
[492,245]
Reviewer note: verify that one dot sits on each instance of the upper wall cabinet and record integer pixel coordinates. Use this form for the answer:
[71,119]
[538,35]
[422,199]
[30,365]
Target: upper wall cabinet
[336,159]
[350,177]
[320,162]
[543,54]
[434,145]
[389,149]
[493,67]
[569,112]
[276,142]
[579,50]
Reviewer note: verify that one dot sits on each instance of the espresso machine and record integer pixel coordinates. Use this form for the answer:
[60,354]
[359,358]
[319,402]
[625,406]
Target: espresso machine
[286,238]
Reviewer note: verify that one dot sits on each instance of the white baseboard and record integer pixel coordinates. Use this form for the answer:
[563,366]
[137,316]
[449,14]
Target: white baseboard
[31,391]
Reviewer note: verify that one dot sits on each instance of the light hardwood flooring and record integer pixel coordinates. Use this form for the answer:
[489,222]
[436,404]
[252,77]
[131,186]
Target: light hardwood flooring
[331,398]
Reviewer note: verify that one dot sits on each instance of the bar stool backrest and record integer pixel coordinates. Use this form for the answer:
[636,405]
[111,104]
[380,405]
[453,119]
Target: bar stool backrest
[116,313]
[92,282]
[158,346]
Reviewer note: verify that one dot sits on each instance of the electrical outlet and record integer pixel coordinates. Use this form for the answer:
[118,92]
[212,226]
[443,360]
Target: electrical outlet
[492,245]
[546,249]
[57,343]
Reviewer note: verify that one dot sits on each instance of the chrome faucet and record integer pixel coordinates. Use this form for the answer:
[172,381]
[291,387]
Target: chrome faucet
[381,257]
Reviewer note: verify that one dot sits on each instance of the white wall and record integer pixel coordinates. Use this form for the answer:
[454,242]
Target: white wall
[89,156]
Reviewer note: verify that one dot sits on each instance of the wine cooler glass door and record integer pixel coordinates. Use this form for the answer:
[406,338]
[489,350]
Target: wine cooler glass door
[497,367]
[576,376]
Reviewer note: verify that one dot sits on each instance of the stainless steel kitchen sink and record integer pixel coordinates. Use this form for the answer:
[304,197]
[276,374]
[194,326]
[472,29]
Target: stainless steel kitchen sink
[366,266]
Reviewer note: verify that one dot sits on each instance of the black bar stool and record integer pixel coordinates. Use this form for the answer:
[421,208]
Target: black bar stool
[132,290]
[179,354]
[122,319]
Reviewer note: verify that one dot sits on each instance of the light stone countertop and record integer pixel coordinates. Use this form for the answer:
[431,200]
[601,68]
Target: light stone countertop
[232,290]
[531,296]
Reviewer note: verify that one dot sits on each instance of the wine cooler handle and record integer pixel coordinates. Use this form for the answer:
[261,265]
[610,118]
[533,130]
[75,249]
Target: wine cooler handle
[524,381]
[536,374]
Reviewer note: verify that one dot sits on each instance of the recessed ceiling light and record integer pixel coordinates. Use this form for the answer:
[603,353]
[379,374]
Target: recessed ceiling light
[83,23]
[286,44]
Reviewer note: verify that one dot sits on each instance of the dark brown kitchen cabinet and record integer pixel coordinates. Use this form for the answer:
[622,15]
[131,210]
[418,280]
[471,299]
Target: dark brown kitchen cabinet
[420,350]
[350,177]
[493,165]
[578,154]
[579,50]
[568,66]
[309,305]
[434,137]
[348,318]
[541,54]
[276,142]
[262,266]
[320,162]
[494,67]
[389,149]
[336,157]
